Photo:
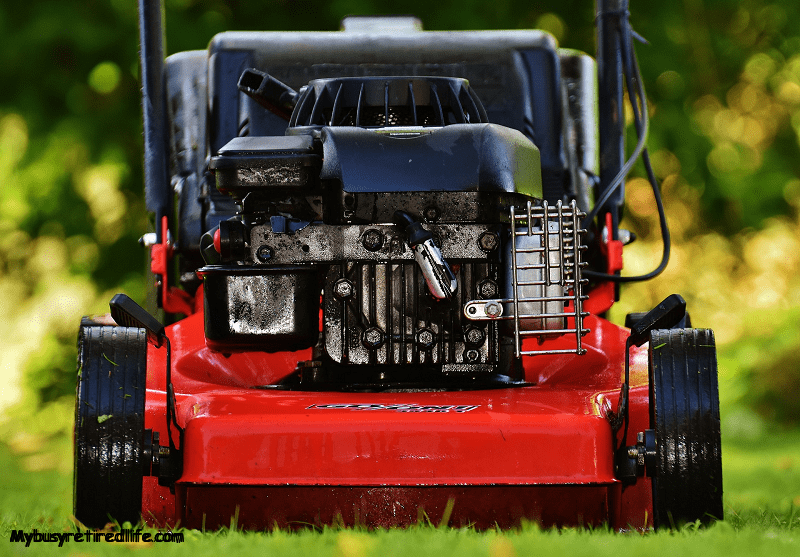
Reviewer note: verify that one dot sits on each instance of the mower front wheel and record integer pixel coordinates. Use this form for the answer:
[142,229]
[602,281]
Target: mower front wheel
[684,412]
[110,453]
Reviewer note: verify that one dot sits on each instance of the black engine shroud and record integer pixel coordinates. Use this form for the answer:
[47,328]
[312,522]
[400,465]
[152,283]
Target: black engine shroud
[318,210]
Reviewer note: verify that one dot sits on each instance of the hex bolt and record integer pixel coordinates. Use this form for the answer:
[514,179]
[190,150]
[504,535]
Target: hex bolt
[431,214]
[472,355]
[264,254]
[372,338]
[493,309]
[343,289]
[487,288]
[426,339]
[474,336]
[372,240]
[488,241]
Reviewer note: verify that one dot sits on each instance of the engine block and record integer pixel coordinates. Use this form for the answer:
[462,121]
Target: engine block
[381,314]
[389,247]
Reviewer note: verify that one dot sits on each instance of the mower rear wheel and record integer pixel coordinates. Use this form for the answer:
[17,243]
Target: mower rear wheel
[684,412]
[109,425]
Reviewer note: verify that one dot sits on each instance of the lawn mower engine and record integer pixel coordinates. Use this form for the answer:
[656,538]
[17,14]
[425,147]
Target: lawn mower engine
[384,286]
[397,200]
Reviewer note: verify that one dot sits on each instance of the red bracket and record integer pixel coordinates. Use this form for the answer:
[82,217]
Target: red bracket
[612,249]
[173,300]
[602,296]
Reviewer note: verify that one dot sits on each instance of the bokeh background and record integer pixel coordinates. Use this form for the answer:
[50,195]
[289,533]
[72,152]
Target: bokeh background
[723,83]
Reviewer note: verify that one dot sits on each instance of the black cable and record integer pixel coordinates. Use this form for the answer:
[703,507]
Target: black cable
[665,236]
[636,94]
[172,418]
[622,417]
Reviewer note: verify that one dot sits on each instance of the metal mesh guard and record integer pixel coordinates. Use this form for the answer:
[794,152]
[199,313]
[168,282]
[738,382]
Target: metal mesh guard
[547,244]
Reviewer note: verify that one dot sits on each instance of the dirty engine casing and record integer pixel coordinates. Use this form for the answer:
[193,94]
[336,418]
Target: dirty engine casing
[388,203]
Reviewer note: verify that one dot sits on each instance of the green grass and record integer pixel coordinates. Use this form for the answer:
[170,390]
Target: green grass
[762,501]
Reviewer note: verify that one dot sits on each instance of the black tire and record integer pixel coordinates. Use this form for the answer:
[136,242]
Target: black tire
[684,412]
[109,425]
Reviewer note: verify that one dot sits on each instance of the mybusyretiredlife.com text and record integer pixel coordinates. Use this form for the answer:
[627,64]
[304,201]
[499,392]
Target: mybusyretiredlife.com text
[123,536]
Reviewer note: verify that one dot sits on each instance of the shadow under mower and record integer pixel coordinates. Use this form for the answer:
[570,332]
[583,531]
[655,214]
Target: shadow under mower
[385,287]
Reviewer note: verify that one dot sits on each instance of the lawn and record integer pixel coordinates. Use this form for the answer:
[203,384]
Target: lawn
[762,496]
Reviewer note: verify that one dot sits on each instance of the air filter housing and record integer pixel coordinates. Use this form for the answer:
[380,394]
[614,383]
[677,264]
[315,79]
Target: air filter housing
[379,102]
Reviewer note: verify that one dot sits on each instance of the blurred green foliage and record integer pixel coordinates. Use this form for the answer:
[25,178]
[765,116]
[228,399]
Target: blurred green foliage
[723,81]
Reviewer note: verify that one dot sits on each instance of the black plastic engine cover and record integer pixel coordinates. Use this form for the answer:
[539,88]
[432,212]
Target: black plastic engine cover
[280,165]
[459,157]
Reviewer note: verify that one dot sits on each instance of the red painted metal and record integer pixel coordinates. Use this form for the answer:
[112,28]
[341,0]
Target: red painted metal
[611,248]
[604,294]
[481,506]
[601,298]
[634,505]
[217,241]
[511,436]
[542,452]
[173,300]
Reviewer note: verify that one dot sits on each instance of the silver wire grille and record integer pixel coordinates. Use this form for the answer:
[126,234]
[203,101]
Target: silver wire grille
[546,260]
[543,294]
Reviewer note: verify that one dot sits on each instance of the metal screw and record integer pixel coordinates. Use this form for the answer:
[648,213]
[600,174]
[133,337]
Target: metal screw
[493,309]
[343,289]
[396,245]
[373,338]
[426,339]
[488,241]
[474,335]
[487,288]
[372,240]
[472,355]
[431,214]
[264,254]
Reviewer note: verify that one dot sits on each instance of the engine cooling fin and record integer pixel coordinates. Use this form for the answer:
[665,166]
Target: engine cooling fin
[379,102]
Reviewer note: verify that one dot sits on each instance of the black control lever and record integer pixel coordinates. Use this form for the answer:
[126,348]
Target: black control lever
[665,315]
[127,313]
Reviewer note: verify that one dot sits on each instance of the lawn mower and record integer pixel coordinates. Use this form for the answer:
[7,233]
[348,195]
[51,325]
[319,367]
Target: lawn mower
[384,257]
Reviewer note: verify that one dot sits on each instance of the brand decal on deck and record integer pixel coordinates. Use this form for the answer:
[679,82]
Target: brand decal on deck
[460,408]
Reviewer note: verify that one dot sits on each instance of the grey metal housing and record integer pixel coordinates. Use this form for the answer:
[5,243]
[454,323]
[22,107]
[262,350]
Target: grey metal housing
[524,81]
